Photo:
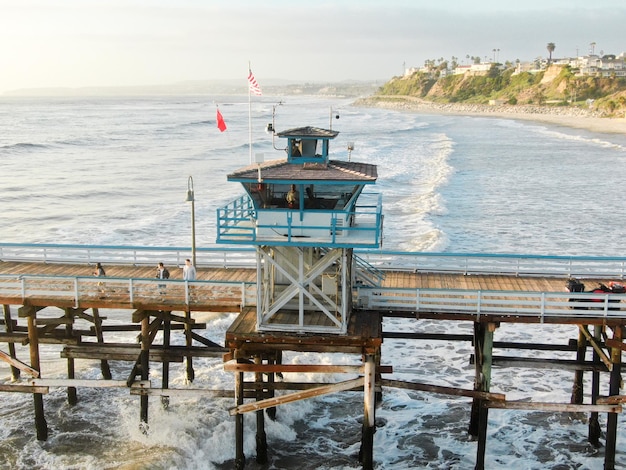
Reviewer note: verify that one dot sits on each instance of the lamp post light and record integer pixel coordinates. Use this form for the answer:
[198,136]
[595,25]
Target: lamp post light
[190,374]
[191,198]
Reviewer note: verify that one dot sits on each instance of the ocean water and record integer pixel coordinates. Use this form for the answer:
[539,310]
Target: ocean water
[114,171]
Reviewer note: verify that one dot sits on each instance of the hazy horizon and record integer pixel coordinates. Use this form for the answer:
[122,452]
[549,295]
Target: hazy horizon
[117,43]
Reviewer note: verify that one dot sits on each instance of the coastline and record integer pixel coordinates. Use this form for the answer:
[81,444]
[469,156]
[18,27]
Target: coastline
[562,116]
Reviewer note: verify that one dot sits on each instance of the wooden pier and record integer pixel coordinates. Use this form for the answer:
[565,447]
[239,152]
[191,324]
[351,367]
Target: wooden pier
[62,304]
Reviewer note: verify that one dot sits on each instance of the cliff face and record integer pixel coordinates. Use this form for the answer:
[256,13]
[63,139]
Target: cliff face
[555,86]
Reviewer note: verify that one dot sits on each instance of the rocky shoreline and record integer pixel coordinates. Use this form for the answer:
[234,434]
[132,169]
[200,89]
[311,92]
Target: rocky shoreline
[560,115]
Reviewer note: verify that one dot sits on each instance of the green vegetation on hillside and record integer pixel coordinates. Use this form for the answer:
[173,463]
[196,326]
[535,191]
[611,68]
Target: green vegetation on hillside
[556,86]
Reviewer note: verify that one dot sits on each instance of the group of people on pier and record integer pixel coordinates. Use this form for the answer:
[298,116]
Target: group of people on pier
[189,271]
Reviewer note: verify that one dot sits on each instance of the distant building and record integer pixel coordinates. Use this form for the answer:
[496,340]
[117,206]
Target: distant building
[609,65]
[462,69]
[474,69]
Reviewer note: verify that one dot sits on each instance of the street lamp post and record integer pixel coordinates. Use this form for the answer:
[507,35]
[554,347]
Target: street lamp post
[191,198]
[190,374]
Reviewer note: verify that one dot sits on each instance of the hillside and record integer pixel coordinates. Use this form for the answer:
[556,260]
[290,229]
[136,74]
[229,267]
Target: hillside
[556,86]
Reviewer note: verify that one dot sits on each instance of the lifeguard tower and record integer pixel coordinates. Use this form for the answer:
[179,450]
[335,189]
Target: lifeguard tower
[304,214]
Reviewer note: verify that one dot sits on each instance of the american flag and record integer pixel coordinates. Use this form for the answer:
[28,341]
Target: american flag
[254,86]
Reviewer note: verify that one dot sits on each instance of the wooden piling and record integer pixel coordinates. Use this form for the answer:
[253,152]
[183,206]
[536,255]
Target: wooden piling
[104,364]
[261,437]
[581,350]
[167,328]
[271,379]
[240,458]
[145,365]
[483,344]
[594,425]
[8,322]
[72,397]
[190,374]
[477,341]
[366,453]
[33,338]
[614,386]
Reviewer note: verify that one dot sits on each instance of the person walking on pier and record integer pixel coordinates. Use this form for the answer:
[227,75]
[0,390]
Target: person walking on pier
[162,273]
[99,272]
[189,271]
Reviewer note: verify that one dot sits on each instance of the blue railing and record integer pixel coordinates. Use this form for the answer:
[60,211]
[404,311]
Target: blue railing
[240,223]
[235,221]
[607,267]
[81,289]
[126,255]
[599,267]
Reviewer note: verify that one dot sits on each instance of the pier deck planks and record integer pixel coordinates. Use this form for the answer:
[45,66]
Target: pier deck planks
[225,302]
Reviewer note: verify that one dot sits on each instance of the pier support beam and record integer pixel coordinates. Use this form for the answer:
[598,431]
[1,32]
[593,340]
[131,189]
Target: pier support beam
[577,388]
[190,374]
[165,382]
[8,323]
[33,338]
[271,379]
[261,437]
[72,398]
[145,367]
[614,386]
[594,425]
[366,455]
[104,364]
[240,458]
[483,350]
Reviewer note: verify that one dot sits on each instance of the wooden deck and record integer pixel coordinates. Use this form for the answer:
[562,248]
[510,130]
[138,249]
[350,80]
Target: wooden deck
[364,334]
[403,279]
[125,271]
[234,289]
[393,279]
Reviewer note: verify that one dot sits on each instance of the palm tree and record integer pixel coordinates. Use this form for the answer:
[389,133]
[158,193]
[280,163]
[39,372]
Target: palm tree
[551,46]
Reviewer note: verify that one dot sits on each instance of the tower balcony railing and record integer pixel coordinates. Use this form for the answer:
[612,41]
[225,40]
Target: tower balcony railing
[239,222]
[235,220]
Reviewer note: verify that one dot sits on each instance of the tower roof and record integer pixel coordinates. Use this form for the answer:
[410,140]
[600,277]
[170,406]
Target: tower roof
[281,170]
[309,132]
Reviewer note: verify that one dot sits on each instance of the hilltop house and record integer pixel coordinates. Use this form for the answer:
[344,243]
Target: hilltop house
[608,65]
[591,65]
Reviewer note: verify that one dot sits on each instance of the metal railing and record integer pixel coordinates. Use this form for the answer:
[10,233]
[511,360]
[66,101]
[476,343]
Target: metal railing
[234,220]
[505,264]
[129,291]
[126,255]
[79,291]
[221,256]
[240,223]
[502,303]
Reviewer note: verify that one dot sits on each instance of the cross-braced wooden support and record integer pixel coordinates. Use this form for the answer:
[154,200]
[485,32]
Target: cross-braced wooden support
[303,289]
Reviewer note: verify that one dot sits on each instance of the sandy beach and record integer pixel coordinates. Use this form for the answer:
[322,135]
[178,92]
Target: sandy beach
[562,116]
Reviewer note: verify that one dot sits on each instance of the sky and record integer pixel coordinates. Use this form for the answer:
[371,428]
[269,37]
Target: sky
[87,43]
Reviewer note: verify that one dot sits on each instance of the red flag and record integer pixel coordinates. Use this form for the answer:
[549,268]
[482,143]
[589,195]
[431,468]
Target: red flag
[221,125]
[254,86]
